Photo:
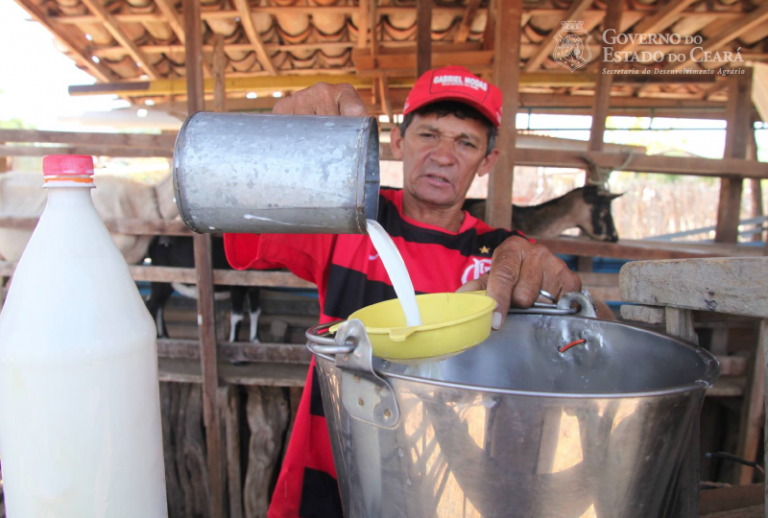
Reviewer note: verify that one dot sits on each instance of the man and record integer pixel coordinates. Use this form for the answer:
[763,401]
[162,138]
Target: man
[446,138]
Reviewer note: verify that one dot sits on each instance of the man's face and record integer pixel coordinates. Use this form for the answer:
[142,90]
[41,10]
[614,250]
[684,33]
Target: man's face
[441,156]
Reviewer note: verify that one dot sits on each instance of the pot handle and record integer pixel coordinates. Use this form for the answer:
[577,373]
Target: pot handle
[563,306]
[321,342]
[366,395]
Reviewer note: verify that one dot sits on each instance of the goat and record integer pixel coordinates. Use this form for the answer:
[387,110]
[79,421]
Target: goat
[179,252]
[588,208]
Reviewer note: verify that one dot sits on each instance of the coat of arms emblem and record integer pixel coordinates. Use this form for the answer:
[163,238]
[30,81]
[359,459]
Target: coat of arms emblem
[572,50]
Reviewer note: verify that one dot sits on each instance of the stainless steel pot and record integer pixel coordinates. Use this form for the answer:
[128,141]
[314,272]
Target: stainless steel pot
[239,172]
[513,427]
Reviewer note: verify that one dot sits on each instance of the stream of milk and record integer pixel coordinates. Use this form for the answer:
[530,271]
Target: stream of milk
[398,273]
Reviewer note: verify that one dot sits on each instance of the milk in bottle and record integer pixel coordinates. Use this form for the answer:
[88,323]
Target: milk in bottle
[80,429]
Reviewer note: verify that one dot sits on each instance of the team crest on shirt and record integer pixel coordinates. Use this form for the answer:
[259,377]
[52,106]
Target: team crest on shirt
[477,268]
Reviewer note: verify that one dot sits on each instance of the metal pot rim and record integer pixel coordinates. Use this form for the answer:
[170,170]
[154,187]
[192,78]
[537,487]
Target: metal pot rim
[711,372]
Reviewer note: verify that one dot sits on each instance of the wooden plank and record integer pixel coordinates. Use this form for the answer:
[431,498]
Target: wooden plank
[539,100]
[220,277]
[752,409]
[14,150]
[602,98]
[236,352]
[219,64]
[99,71]
[423,36]
[608,280]
[574,12]
[112,25]
[730,498]
[244,10]
[188,276]
[734,366]
[142,227]
[726,387]
[204,272]
[263,374]
[401,67]
[646,314]
[737,285]
[498,212]
[757,511]
[727,167]
[403,64]
[466,21]
[120,140]
[737,137]
[643,249]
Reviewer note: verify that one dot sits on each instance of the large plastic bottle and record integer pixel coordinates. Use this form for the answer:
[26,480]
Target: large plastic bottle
[80,433]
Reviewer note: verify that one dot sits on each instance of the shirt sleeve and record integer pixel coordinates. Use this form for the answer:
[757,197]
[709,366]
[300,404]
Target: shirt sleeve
[308,256]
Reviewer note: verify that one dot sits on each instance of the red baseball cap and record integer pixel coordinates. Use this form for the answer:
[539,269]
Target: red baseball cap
[456,84]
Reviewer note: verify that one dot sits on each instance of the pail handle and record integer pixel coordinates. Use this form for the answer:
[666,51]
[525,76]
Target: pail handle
[564,306]
[365,395]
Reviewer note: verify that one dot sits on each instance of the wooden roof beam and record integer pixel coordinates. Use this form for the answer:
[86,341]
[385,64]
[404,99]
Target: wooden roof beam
[423,36]
[253,35]
[466,21]
[383,10]
[99,71]
[663,18]
[728,34]
[111,24]
[386,99]
[362,30]
[578,7]
[363,79]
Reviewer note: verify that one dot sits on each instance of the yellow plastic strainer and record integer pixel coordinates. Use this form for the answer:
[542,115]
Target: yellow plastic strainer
[451,323]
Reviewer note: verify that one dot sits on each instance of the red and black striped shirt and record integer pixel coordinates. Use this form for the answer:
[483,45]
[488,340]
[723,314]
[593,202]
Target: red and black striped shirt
[349,275]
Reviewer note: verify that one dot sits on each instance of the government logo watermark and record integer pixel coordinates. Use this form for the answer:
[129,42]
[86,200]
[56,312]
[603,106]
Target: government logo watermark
[572,50]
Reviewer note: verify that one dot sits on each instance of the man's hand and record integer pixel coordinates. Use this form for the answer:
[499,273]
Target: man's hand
[518,271]
[322,99]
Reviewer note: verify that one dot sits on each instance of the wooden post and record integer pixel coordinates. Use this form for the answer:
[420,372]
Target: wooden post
[739,117]
[219,65]
[5,162]
[489,35]
[229,404]
[751,413]
[602,101]
[763,337]
[423,36]
[362,30]
[755,187]
[679,323]
[204,274]
[498,212]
